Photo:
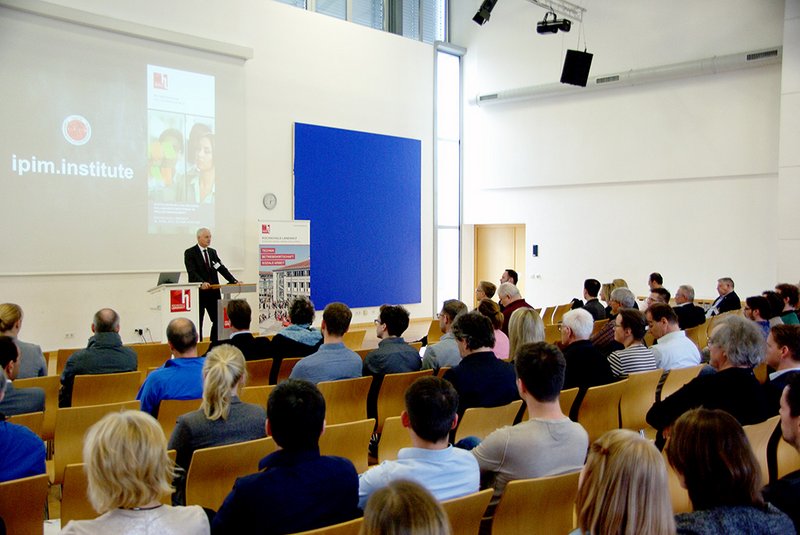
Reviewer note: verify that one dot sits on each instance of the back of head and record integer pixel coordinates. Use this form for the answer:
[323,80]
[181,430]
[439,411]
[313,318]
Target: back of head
[634,320]
[788,291]
[491,310]
[775,302]
[513,275]
[541,367]
[105,320]
[787,336]
[624,489]
[404,508]
[656,277]
[453,308]
[126,461]
[487,288]
[223,369]
[431,403]
[619,283]
[592,287]
[663,294]
[240,314]
[296,413]
[726,280]
[659,311]
[337,318]
[182,334]
[686,291]
[475,329]
[581,323]
[508,289]
[605,291]
[524,326]
[624,297]
[396,319]
[8,351]
[759,303]
[741,339]
[301,311]
[710,450]
[10,314]
[792,396]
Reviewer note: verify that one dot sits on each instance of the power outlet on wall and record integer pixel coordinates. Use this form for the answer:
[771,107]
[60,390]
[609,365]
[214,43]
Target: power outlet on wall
[138,331]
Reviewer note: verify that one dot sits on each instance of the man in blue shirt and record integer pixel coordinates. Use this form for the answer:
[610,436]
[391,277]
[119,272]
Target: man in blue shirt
[332,361]
[296,489]
[179,378]
[23,451]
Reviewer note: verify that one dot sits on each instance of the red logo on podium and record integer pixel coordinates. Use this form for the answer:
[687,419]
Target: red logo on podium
[226,321]
[180,301]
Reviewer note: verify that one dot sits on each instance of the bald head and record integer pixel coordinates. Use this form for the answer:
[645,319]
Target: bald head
[182,337]
[105,320]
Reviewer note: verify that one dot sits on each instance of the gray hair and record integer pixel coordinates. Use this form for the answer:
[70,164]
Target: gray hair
[580,321]
[201,230]
[726,280]
[741,339]
[105,320]
[687,291]
[508,289]
[624,297]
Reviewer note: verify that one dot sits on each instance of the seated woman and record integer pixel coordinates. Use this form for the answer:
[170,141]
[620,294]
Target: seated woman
[491,310]
[31,360]
[712,457]
[221,418]
[629,331]
[524,327]
[404,508]
[129,471]
[299,339]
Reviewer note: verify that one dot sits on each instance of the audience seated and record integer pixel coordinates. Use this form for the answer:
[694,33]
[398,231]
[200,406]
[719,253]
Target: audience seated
[783,356]
[103,354]
[689,314]
[658,295]
[674,349]
[785,493]
[586,367]
[736,346]
[591,287]
[727,300]
[548,443]
[481,379]
[525,327]
[16,401]
[502,345]
[655,280]
[510,300]
[775,307]
[604,340]
[179,378]
[446,471]
[221,418]
[299,339]
[404,508]
[296,488]
[393,354]
[758,310]
[31,358]
[789,294]
[23,451]
[332,361]
[630,326]
[710,453]
[623,488]
[129,471]
[485,290]
[240,316]
[445,351]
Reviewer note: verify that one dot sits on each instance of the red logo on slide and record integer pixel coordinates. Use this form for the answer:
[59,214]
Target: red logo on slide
[76,130]
[265,229]
[160,80]
[180,301]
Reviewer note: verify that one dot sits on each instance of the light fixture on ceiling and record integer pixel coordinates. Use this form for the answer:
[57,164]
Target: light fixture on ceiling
[484,12]
[553,26]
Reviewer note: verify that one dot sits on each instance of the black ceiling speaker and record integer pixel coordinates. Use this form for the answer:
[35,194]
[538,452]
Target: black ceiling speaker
[576,68]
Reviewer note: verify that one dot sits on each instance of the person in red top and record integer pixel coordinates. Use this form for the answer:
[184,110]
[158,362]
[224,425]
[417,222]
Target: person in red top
[511,300]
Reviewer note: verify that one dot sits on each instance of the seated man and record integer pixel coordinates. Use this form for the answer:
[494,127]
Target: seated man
[104,354]
[785,493]
[658,295]
[23,451]
[674,349]
[783,356]
[604,340]
[445,351]
[447,472]
[510,301]
[586,366]
[481,380]
[591,287]
[252,347]
[727,300]
[22,400]
[548,443]
[179,378]
[296,488]
[758,309]
[333,361]
[689,314]
[299,339]
[790,295]
[655,280]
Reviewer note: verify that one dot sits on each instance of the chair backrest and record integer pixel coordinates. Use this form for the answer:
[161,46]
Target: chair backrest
[50,385]
[351,527]
[558,313]
[759,436]
[71,425]
[170,409]
[637,398]
[599,324]
[213,471]
[287,365]
[465,513]
[442,371]
[760,371]
[481,421]
[31,420]
[354,339]
[599,410]
[258,372]
[349,440]
[698,334]
[202,347]
[543,505]
[677,377]
[105,388]
[787,458]
[391,397]
[567,398]
[547,315]
[434,332]
[61,358]
[677,494]
[346,399]
[22,504]
[552,333]
[257,395]
[394,437]
[151,355]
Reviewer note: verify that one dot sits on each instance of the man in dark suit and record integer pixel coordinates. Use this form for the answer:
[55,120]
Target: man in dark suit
[22,400]
[689,314]
[783,356]
[785,492]
[727,300]
[202,265]
[591,287]
[252,348]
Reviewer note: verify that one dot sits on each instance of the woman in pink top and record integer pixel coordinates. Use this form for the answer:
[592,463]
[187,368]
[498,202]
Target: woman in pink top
[491,310]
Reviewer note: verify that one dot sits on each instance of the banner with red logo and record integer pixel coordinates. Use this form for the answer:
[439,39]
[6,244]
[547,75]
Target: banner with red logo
[180,300]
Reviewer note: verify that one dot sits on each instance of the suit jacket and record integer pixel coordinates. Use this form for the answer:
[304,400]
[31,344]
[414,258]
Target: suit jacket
[483,380]
[773,389]
[727,302]
[198,272]
[251,347]
[596,309]
[20,401]
[690,315]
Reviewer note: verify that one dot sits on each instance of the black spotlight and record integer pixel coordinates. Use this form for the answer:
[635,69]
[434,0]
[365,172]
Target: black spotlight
[485,12]
[553,26]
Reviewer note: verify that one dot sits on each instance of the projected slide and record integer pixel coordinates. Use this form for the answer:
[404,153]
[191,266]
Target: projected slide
[180,149]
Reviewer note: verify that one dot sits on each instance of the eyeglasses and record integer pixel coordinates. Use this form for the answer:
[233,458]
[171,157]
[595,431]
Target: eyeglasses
[377,321]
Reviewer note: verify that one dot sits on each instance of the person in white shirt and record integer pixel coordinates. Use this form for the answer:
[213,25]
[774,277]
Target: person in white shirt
[674,349]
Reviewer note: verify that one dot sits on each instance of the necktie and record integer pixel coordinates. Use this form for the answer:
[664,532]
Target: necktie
[205,257]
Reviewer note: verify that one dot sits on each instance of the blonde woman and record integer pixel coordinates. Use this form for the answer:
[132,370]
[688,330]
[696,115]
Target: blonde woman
[404,508]
[129,471]
[221,418]
[623,488]
[31,358]
[524,327]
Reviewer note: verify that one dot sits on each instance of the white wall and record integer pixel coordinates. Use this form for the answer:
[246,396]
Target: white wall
[678,177]
[307,68]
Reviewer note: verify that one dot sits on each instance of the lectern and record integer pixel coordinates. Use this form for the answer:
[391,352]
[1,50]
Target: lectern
[229,291]
[175,301]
